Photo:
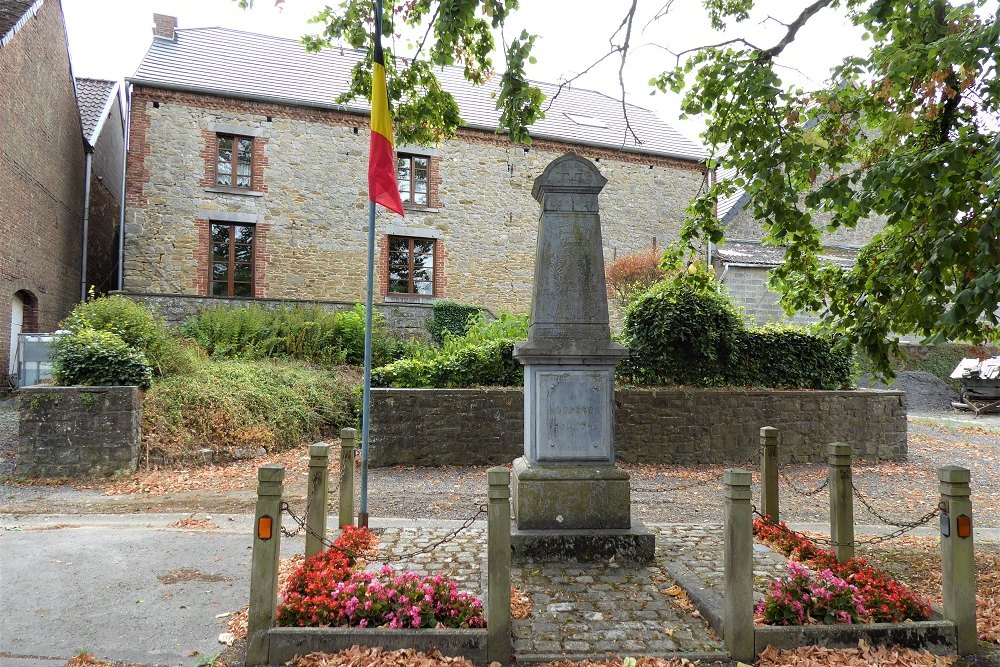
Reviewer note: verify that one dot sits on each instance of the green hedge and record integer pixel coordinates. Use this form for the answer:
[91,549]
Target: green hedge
[487,364]
[683,333]
[450,317]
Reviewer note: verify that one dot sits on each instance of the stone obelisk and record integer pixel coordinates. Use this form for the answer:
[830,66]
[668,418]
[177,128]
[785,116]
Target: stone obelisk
[570,499]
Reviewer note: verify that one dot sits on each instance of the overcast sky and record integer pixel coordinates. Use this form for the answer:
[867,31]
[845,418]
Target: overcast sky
[109,37]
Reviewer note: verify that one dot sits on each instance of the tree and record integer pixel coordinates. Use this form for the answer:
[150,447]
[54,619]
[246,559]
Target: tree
[909,134]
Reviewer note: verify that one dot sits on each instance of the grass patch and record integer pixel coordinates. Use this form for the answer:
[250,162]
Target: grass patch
[234,406]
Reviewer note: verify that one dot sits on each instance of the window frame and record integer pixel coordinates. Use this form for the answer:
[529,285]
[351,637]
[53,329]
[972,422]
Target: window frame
[234,160]
[407,197]
[411,267]
[231,262]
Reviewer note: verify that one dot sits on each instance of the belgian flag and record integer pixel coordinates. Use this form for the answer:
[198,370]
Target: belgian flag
[382,186]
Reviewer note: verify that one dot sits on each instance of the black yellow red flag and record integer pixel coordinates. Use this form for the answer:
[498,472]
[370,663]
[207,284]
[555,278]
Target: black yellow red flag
[382,186]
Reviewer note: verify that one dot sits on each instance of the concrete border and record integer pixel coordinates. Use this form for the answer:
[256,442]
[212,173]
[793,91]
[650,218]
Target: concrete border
[286,643]
[938,637]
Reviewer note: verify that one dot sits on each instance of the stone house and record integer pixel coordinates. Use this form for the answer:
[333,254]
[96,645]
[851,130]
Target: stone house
[245,180]
[743,262]
[43,155]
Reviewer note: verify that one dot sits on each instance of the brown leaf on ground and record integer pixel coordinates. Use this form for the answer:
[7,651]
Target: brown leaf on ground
[680,598]
[88,660]
[193,523]
[617,662]
[863,656]
[520,604]
[362,656]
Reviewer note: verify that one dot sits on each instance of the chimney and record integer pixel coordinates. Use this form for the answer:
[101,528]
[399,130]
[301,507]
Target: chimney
[164,27]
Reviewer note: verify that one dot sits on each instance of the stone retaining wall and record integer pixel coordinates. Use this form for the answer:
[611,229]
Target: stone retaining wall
[435,427]
[78,431]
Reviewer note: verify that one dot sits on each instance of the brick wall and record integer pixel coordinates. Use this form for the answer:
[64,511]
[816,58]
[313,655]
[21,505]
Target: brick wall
[486,426]
[41,175]
[102,237]
[313,194]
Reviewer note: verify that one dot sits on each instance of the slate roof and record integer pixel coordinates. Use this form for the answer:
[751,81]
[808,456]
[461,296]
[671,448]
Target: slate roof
[745,252]
[13,14]
[95,97]
[246,65]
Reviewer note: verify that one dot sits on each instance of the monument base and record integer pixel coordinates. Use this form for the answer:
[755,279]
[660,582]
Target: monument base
[631,545]
[570,497]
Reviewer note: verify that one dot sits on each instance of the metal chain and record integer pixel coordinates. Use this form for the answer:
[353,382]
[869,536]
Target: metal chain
[302,525]
[878,515]
[800,491]
[878,539]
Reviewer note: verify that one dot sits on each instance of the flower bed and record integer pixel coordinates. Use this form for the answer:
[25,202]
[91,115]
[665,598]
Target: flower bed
[849,592]
[328,589]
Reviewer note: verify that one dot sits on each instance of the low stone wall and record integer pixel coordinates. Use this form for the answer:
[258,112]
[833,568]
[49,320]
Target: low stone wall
[436,427]
[78,431]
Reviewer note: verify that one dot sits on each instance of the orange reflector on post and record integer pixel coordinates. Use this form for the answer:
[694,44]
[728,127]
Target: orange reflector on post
[963,525]
[264,524]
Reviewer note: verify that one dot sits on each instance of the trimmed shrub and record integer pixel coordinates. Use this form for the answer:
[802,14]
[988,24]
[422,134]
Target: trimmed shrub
[450,318]
[680,334]
[489,364]
[231,406]
[138,326]
[305,333]
[98,358]
[781,356]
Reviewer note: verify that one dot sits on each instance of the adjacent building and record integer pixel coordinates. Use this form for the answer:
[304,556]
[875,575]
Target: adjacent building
[246,181]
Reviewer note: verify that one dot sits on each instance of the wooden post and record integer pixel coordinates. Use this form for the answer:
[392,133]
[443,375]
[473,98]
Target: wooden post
[958,567]
[264,563]
[770,437]
[841,500]
[498,641]
[318,496]
[738,577]
[346,514]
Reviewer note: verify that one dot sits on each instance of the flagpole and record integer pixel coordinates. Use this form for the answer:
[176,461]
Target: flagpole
[366,401]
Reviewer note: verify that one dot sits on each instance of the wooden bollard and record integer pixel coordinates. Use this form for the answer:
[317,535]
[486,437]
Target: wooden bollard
[498,639]
[769,439]
[347,443]
[264,563]
[738,575]
[841,501]
[958,567]
[318,496]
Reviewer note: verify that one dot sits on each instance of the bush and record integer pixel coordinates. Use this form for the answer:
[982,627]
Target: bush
[484,365]
[630,275]
[98,358]
[782,356]
[677,333]
[138,326]
[231,406]
[450,318]
[304,333]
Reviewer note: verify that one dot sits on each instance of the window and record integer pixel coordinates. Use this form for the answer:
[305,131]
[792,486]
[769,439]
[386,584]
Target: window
[234,154]
[411,174]
[232,259]
[411,265]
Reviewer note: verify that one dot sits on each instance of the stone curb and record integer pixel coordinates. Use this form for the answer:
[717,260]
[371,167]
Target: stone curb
[705,600]
[704,657]
[286,643]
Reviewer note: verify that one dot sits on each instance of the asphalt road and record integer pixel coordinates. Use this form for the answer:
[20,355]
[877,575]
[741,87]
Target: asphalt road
[123,588]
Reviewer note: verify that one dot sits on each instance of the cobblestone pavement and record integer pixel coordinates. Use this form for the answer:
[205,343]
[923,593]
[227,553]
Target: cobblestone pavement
[586,609]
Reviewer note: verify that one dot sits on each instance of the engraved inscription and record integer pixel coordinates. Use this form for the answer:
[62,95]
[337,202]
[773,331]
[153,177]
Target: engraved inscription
[574,416]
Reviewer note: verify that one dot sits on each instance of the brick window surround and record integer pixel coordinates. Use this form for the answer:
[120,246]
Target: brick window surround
[387,261]
[214,150]
[232,259]
[419,179]
[235,157]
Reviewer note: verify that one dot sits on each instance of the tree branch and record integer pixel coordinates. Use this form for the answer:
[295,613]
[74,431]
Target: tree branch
[627,22]
[793,29]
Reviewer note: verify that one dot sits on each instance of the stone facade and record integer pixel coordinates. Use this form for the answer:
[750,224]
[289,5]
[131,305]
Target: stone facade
[747,287]
[41,178]
[486,426]
[78,431]
[309,191]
